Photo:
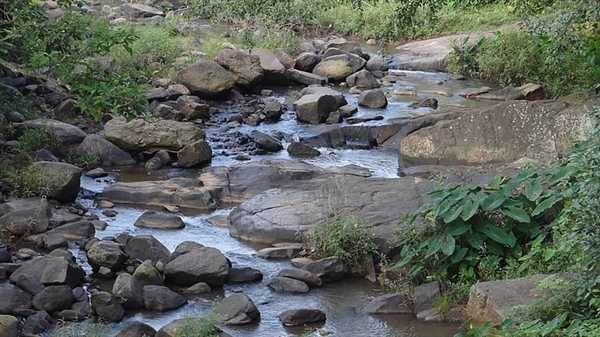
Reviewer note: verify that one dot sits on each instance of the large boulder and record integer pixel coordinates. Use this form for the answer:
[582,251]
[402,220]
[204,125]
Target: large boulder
[506,132]
[24,216]
[8,326]
[106,152]
[298,317]
[374,99]
[139,134]
[196,153]
[356,62]
[315,108]
[237,309]
[54,298]
[61,180]
[203,264]
[13,299]
[106,254]
[159,298]
[363,79]
[305,78]
[399,303]
[265,141]
[146,247]
[206,78]
[48,270]
[328,269]
[189,326]
[244,66]
[340,99]
[305,276]
[159,220]
[147,274]
[282,284]
[137,329]
[307,61]
[297,149]
[107,307]
[141,10]
[335,68]
[62,133]
[273,69]
[129,291]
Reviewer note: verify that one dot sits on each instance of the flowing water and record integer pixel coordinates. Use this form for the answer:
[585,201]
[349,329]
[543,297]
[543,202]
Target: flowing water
[342,301]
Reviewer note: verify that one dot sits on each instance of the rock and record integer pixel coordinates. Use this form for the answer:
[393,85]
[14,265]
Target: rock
[13,299]
[129,291]
[158,220]
[186,247]
[305,276]
[184,325]
[426,295]
[159,298]
[306,61]
[374,99]
[62,133]
[54,298]
[194,154]
[137,329]
[141,10]
[237,309]
[106,254]
[14,117]
[199,265]
[334,68]
[474,92]
[306,78]
[111,213]
[36,324]
[315,108]
[4,255]
[273,69]
[390,304]
[347,110]
[363,79]
[60,179]
[206,78]
[340,100]
[147,274]
[24,216]
[505,132]
[284,252]
[96,173]
[107,307]
[243,275]
[284,58]
[430,102]
[298,317]
[288,285]
[73,231]
[272,110]
[297,149]
[494,301]
[245,67]
[197,289]
[301,262]
[377,63]
[138,134]
[146,247]
[532,91]
[106,152]
[265,141]
[328,269]
[44,155]
[160,159]
[48,270]
[356,62]
[8,326]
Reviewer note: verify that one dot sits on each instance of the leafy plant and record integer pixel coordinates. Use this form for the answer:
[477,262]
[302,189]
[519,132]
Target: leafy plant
[32,140]
[198,327]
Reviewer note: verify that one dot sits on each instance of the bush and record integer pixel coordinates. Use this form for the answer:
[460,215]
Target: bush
[201,327]
[32,140]
[344,236]
[82,329]
[26,182]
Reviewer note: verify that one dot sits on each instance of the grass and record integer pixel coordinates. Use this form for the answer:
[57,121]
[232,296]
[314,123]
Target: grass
[198,327]
[457,20]
[82,329]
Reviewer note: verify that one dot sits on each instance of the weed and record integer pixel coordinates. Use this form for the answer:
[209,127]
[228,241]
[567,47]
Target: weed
[82,329]
[198,327]
[32,140]
[26,182]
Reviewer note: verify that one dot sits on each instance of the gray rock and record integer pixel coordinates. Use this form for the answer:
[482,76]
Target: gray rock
[206,78]
[305,276]
[160,159]
[24,216]
[106,254]
[305,78]
[63,133]
[129,291]
[328,269]
[297,149]
[96,173]
[273,69]
[147,274]
[298,317]
[429,102]
[159,220]
[159,298]
[355,61]
[315,108]
[60,179]
[199,265]
[137,329]
[197,289]
[426,295]
[174,328]
[49,270]
[13,299]
[244,66]
[243,275]
[288,285]
[374,99]
[36,323]
[141,10]
[106,152]
[54,298]
[44,155]
[363,79]
[146,247]
[265,141]
[107,307]
[272,110]
[197,153]
[185,247]
[306,61]
[14,117]
[8,326]
[390,304]
[377,63]
[237,309]
[281,252]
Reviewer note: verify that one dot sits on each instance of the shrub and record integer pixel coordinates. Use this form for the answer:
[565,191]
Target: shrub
[344,236]
[32,140]
[201,327]
[26,182]
[82,329]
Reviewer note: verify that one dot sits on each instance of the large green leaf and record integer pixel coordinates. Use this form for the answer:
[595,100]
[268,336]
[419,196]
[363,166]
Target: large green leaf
[546,204]
[458,228]
[459,254]
[434,244]
[452,214]
[517,214]
[497,234]
[495,248]
[533,190]
[470,208]
[476,240]
[448,245]
[493,201]
[561,174]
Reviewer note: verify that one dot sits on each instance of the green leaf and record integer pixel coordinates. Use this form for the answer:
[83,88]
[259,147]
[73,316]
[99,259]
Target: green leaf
[517,214]
[495,248]
[434,244]
[533,190]
[561,174]
[470,208]
[459,254]
[458,228]
[448,245]
[546,204]
[493,201]
[495,233]
[452,214]
[475,240]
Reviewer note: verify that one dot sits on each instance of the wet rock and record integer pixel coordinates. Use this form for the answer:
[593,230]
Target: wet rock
[96,173]
[273,110]
[274,70]
[301,262]
[306,61]
[199,265]
[340,100]
[160,159]
[129,291]
[146,247]
[306,78]
[426,295]
[106,254]
[4,254]
[8,326]
[74,231]
[298,317]
[13,299]
[138,134]
[305,276]
[244,66]
[63,133]
[243,275]
[111,213]
[159,298]
[107,307]
[334,68]
[54,298]
[473,92]
[297,149]
[174,328]
[141,10]
[430,102]
[158,220]
[60,179]
[24,216]
[197,289]
[493,301]
[356,62]
[315,108]
[137,329]
[363,79]
[36,323]
[49,270]
[283,252]
[197,153]
[147,274]
[390,304]
[347,110]
[374,99]
[106,152]
[265,141]
[328,269]
[377,63]
[237,309]
[288,285]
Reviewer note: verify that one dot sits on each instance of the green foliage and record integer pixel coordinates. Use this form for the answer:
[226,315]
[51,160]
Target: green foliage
[32,140]
[344,236]
[82,329]
[25,182]
[202,327]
